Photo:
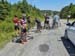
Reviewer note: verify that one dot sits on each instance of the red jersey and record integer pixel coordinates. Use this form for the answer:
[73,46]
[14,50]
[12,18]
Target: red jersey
[16,21]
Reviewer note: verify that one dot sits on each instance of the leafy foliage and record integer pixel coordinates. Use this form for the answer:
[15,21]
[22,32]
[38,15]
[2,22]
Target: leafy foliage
[4,9]
[7,12]
[49,12]
[68,10]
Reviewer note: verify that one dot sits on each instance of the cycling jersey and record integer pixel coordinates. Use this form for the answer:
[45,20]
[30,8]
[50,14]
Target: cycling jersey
[46,18]
[16,21]
[23,22]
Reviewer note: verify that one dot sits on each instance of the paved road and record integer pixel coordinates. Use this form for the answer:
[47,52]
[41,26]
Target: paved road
[46,43]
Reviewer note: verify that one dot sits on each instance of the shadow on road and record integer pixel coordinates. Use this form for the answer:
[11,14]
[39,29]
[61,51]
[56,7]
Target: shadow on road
[69,46]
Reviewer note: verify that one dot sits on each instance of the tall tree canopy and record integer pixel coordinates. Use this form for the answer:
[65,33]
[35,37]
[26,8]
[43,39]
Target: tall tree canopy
[68,10]
[9,10]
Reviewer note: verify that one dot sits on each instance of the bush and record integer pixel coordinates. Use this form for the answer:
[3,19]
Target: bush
[6,27]
[5,37]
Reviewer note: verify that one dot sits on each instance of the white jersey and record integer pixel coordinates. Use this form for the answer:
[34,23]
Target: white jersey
[56,18]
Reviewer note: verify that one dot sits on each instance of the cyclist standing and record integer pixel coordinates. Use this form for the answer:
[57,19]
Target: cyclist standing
[38,24]
[56,21]
[46,22]
[23,29]
[68,17]
[29,22]
[16,24]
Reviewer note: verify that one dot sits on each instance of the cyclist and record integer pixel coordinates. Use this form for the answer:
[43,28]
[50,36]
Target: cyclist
[38,24]
[16,24]
[23,30]
[56,20]
[68,17]
[46,22]
[29,22]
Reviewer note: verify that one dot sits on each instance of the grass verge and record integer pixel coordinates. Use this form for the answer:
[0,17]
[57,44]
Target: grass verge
[5,38]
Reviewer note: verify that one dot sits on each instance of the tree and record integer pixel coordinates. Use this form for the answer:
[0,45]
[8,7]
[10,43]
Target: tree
[9,10]
[4,9]
[68,10]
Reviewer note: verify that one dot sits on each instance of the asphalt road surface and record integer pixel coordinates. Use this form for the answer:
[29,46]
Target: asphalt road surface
[46,43]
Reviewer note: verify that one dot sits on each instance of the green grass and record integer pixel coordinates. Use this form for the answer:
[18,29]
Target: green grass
[6,32]
[5,38]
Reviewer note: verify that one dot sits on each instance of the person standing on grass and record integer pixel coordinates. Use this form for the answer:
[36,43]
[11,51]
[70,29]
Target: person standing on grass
[16,25]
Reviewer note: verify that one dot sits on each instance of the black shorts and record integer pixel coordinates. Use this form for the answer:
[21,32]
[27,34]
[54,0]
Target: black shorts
[46,22]
[16,27]
[24,30]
